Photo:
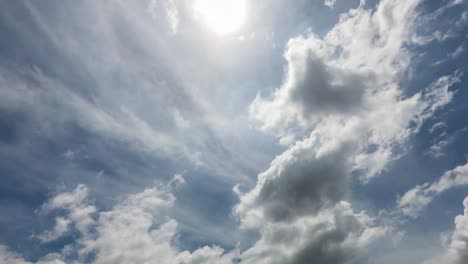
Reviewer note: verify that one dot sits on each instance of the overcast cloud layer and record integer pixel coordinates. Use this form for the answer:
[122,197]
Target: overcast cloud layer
[326,132]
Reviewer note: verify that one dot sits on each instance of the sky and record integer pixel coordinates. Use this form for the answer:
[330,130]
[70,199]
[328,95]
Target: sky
[234,132]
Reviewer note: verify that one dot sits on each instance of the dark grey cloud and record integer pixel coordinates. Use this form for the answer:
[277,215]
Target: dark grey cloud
[329,246]
[318,88]
[336,235]
[300,183]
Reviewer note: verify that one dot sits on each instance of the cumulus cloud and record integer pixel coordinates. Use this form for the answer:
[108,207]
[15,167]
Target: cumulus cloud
[341,110]
[343,93]
[456,251]
[299,182]
[7,256]
[353,104]
[350,78]
[335,235]
[297,206]
[316,86]
[414,201]
[80,213]
[138,229]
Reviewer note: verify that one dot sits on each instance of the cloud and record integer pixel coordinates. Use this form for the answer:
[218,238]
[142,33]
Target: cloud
[439,126]
[438,149]
[123,78]
[350,79]
[298,182]
[316,86]
[438,94]
[459,51]
[60,228]
[445,30]
[334,235]
[342,94]
[330,3]
[171,13]
[45,95]
[456,250]
[6,256]
[414,201]
[341,111]
[137,229]
[79,211]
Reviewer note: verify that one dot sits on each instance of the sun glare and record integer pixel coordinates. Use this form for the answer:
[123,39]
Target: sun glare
[221,16]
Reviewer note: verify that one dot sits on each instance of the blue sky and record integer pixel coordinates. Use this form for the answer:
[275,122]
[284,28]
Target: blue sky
[180,131]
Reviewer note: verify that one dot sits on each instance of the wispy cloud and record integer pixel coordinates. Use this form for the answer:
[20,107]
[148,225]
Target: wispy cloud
[145,89]
[414,201]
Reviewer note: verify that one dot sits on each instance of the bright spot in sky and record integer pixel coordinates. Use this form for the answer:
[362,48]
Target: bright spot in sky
[221,16]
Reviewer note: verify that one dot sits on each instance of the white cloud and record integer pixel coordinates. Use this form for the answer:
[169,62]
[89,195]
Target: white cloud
[414,201]
[52,259]
[456,251]
[330,3]
[123,75]
[170,12]
[459,51]
[438,94]
[7,256]
[437,127]
[438,149]
[440,141]
[79,211]
[342,98]
[172,16]
[122,125]
[350,79]
[444,32]
[60,228]
[138,229]
[343,93]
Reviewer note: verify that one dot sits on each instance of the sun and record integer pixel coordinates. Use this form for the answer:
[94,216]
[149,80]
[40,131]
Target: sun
[221,16]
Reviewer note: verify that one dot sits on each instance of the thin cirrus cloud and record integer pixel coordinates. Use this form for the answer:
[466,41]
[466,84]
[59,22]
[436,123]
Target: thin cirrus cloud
[342,114]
